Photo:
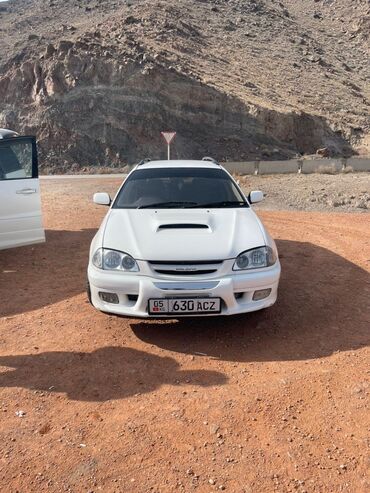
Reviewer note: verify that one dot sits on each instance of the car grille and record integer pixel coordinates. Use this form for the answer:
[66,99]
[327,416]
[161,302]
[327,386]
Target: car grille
[185,267]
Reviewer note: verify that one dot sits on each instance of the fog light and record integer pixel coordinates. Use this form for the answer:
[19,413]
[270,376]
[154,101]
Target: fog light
[109,297]
[261,294]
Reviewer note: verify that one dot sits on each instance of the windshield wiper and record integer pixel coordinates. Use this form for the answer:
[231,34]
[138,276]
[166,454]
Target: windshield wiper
[167,204]
[225,203]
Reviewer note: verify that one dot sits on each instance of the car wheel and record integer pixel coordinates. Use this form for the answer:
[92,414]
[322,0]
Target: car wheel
[88,291]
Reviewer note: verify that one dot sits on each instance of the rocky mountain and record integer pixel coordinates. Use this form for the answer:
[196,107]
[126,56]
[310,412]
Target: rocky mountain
[98,80]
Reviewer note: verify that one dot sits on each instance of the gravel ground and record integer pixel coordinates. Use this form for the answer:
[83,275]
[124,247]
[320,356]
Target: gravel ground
[314,192]
[273,401]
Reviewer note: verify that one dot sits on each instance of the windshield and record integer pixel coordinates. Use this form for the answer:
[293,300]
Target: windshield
[179,188]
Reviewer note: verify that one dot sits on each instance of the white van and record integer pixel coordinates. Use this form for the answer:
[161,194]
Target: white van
[20,204]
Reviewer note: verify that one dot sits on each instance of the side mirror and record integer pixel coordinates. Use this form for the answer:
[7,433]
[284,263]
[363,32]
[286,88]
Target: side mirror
[102,198]
[255,196]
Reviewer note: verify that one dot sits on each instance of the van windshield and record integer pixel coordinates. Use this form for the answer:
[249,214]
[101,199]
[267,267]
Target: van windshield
[179,188]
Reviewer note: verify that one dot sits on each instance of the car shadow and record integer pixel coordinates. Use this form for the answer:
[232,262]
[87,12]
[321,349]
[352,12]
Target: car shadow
[323,307]
[105,374]
[35,276]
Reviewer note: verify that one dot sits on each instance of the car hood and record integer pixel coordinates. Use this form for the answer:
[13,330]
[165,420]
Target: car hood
[186,234]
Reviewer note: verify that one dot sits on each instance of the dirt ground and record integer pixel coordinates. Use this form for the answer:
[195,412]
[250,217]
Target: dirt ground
[267,402]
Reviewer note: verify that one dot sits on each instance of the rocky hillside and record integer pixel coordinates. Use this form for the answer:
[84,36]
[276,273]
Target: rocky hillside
[237,79]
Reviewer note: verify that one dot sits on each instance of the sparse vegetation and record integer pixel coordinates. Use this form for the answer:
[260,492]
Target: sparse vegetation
[347,169]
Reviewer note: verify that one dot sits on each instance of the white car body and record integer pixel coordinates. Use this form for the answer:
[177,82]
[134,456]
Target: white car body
[20,204]
[171,255]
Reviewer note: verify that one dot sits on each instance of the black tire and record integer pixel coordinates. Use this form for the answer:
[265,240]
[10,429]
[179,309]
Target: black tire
[88,291]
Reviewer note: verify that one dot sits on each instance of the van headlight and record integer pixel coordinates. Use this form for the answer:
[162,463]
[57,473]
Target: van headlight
[114,260]
[256,258]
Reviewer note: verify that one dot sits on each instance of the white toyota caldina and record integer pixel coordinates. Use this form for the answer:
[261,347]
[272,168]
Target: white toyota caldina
[181,239]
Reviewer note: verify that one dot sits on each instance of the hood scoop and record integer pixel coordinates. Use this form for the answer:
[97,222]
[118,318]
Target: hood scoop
[161,227]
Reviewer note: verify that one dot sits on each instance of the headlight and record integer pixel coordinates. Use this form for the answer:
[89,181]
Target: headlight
[255,259]
[114,260]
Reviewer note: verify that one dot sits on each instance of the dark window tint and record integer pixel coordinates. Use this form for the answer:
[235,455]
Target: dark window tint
[178,187]
[17,159]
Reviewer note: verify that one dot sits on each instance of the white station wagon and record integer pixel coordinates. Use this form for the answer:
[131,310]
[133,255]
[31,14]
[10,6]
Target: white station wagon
[181,239]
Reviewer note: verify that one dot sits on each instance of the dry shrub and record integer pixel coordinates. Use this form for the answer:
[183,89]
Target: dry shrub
[239,178]
[347,169]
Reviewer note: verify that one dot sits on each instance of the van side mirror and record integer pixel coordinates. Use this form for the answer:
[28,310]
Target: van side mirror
[255,196]
[102,198]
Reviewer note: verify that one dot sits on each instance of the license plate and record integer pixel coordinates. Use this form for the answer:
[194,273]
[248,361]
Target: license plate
[184,305]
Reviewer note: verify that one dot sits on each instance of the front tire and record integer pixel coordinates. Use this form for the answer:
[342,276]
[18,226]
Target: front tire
[88,291]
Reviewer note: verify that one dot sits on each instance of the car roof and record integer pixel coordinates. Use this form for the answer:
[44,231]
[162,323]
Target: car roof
[179,163]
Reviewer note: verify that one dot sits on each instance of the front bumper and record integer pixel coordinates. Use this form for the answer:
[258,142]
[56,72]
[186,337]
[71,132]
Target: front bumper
[134,290]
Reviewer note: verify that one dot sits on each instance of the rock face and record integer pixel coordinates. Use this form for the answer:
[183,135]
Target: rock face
[236,80]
